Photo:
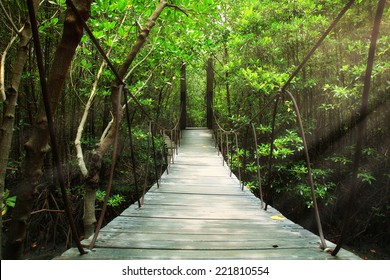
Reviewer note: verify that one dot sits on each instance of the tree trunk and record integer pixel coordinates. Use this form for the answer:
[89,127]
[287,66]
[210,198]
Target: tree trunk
[7,127]
[228,102]
[210,93]
[95,162]
[183,96]
[37,145]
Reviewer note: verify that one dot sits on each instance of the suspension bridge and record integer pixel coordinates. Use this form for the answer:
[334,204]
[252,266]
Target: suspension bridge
[200,210]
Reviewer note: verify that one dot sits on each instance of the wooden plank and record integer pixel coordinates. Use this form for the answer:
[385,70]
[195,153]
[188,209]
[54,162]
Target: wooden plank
[205,244]
[190,237]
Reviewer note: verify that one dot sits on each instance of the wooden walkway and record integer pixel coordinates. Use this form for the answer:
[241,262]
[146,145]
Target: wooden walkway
[200,212]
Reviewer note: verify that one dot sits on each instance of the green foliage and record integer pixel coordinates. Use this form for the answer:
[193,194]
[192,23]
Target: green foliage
[294,180]
[8,201]
[115,200]
[263,80]
[255,46]
[284,145]
[366,177]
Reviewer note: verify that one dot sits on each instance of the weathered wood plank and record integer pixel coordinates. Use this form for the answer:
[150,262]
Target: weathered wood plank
[205,244]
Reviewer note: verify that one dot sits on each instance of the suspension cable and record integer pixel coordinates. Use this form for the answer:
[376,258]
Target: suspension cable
[50,124]
[318,44]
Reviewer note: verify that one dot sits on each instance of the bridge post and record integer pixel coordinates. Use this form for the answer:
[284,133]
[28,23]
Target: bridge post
[183,96]
[209,93]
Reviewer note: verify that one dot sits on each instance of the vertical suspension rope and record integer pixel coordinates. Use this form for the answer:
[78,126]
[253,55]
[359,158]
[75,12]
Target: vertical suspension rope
[147,166]
[238,161]
[164,153]
[154,156]
[216,142]
[132,150]
[176,141]
[258,166]
[228,160]
[270,159]
[223,160]
[134,169]
[309,172]
[361,125]
[50,124]
[112,169]
[172,148]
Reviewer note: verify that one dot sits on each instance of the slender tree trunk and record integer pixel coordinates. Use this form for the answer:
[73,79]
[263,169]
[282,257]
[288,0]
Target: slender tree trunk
[95,162]
[183,96]
[7,126]
[228,102]
[210,92]
[37,145]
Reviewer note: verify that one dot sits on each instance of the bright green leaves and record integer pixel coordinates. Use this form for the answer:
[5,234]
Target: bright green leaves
[51,23]
[114,200]
[112,6]
[8,201]
[264,81]
[284,145]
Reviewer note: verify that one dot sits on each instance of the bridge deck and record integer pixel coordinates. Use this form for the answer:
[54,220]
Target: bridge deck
[200,212]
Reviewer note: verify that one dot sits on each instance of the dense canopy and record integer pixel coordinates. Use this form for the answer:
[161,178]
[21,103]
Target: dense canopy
[243,52]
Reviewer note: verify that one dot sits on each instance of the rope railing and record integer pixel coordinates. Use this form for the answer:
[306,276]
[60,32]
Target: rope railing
[168,158]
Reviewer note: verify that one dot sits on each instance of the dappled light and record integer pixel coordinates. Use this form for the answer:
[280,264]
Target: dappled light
[170,128]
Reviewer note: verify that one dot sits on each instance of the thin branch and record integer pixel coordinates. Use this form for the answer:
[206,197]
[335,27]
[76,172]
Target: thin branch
[177,8]
[2,66]
[108,127]
[8,17]
[47,210]
[142,60]
[40,211]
